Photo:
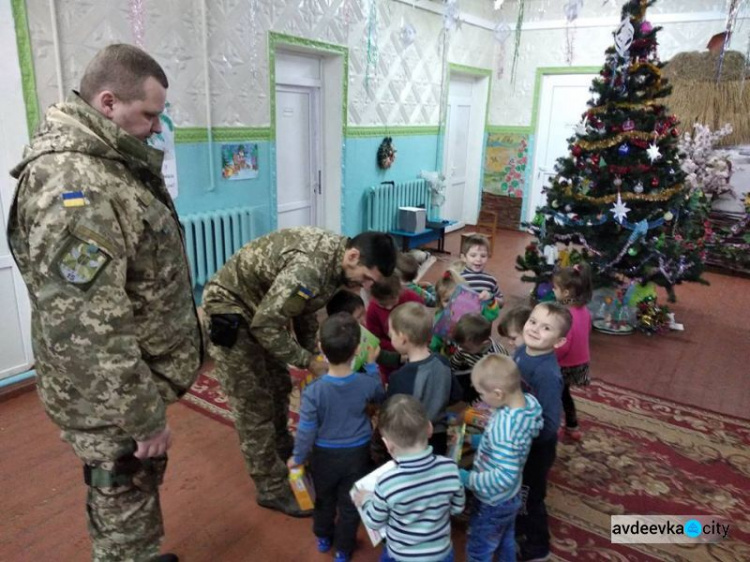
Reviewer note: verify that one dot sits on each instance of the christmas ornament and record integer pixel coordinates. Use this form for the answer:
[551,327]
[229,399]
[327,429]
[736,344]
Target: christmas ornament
[572,9]
[624,149]
[638,187]
[632,251]
[653,152]
[617,182]
[655,182]
[576,150]
[502,32]
[620,210]
[582,127]
[407,34]
[646,27]
[651,318]
[629,125]
[624,37]
[668,216]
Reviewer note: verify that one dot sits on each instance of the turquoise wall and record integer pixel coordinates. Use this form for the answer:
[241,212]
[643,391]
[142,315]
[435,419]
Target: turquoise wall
[360,171]
[414,154]
[194,182]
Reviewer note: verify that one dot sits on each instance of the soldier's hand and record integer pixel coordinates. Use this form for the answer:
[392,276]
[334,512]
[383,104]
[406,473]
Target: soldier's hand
[154,446]
[318,366]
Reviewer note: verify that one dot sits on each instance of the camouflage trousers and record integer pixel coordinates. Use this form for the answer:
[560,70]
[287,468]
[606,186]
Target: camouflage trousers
[258,388]
[124,520]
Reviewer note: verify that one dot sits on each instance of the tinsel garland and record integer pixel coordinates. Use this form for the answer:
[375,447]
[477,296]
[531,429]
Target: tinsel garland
[644,106]
[136,21]
[663,196]
[618,139]
[651,318]
[517,39]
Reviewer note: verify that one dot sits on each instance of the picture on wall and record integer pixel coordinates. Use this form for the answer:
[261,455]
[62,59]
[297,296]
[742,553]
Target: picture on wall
[239,161]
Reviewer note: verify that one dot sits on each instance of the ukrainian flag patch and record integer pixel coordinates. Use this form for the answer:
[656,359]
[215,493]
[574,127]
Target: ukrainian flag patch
[304,292]
[74,199]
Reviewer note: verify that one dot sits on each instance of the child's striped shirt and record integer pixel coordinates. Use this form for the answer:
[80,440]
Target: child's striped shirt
[498,465]
[414,502]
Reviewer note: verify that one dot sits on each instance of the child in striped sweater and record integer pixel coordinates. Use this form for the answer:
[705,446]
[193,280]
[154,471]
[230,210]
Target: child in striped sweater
[415,500]
[497,473]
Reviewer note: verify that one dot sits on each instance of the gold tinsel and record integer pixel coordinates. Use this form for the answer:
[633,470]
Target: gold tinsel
[617,139]
[661,196]
[643,106]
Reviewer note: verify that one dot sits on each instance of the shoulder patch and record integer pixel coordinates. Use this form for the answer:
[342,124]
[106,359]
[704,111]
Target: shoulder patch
[74,199]
[80,262]
[295,303]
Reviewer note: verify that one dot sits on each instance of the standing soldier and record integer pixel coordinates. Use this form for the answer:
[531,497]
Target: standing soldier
[115,331]
[271,285]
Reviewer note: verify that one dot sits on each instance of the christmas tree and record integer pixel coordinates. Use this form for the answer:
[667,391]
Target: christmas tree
[620,196]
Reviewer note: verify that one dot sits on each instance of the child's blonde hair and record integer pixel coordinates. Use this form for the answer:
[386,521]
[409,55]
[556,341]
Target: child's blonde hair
[404,422]
[475,240]
[497,371]
[413,320]
[576,279]
[446,285]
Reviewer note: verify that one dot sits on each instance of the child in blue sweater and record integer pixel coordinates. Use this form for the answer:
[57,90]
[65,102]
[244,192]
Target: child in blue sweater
[496,475]
[334,432]
[544,331]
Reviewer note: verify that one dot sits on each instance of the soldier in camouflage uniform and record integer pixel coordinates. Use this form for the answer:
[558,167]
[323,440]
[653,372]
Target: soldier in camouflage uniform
[114,327]
[272,286]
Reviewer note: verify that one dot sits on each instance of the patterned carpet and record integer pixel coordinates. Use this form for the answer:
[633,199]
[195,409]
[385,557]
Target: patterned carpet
[639,455]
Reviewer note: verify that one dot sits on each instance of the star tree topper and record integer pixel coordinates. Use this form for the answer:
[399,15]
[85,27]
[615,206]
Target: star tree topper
[620,210]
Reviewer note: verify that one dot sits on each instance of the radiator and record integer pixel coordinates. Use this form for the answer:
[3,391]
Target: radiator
[382,203]
[212,238]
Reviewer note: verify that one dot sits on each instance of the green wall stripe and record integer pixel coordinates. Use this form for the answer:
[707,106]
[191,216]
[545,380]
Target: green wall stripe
[26,63]
[391,131]
[494,129]
[221,134]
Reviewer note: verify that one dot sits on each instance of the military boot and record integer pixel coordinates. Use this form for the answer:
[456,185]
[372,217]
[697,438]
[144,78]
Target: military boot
[285,502]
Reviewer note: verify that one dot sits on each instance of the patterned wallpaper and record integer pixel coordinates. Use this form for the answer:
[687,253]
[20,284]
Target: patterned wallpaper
[405,82]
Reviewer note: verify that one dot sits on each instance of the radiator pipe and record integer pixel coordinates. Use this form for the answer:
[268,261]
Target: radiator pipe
[209,122]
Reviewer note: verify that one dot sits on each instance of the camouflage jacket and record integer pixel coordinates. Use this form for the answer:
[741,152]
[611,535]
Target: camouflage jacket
[280,279]
[114,327]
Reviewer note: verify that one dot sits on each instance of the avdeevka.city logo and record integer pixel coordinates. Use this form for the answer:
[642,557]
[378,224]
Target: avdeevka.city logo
[660,529]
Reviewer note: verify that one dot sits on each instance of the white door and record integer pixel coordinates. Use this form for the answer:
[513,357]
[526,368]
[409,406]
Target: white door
[299,184]
[563,101]
[458,120]
[15,340]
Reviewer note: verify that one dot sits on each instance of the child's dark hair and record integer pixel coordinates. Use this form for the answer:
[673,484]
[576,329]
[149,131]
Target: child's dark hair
[472,328]
[474,240]
[576,279]
[403,421]
[344,301]
[339,337]
[388,288]
[513,321]
[560,312]
[407,267]
[413,320]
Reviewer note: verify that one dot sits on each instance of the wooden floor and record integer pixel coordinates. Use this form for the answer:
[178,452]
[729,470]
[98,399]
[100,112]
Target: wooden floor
[209,502]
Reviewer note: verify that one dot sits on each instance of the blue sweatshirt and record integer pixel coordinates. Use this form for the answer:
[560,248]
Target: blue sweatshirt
[498,465]
[332,414]
[541,374]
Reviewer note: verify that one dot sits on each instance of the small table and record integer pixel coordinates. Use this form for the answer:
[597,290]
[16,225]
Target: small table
[410,240]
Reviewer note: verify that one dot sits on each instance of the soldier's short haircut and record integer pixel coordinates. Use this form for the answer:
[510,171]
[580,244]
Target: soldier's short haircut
[344,301]
[388,288]
[339,338]
[557,310]
[475,240]
[122,69]
[513,321]
[404,422]
[407,267]
[414,321]
[376,249]
[472,328]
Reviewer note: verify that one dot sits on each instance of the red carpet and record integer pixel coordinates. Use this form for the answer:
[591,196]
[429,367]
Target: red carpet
[639,455]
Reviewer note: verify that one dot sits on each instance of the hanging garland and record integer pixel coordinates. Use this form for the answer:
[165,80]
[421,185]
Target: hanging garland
[517,45]
[664,196]
[372,43]
[136,21]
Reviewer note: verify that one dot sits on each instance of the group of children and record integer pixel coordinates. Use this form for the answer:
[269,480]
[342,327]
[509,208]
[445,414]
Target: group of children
[415,377]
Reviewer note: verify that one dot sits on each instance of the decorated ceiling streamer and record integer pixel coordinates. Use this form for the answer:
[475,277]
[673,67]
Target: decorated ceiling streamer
[371,41]
[732,13]
[137,15]
[517,42]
